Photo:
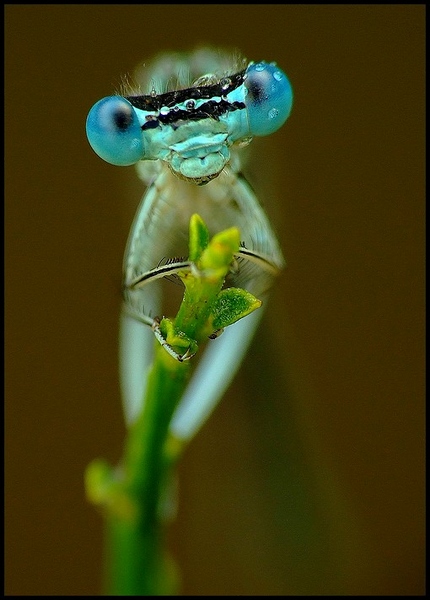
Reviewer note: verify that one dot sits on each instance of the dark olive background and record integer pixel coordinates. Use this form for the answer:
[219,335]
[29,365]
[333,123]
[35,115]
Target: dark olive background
[309,476]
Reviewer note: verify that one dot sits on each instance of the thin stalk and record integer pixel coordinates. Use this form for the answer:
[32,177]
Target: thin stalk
[133,495]
[137,564]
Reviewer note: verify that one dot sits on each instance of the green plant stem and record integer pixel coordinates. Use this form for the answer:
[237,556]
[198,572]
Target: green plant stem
[134,496]
[137,565]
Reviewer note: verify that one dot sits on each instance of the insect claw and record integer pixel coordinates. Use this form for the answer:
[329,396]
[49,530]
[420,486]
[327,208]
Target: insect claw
[187,355]
[160,338]
[156,324]
[216,334]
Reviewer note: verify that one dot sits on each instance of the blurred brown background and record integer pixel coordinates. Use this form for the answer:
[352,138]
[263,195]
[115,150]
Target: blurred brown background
[309,477]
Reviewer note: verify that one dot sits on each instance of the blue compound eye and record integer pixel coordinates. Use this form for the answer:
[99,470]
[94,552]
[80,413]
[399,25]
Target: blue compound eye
[114,132]
[269,98]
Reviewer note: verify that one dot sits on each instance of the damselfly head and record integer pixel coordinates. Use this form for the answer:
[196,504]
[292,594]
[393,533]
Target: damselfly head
[192,128]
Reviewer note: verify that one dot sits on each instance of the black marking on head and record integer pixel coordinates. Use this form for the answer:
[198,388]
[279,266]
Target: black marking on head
[211,109]
[170,99]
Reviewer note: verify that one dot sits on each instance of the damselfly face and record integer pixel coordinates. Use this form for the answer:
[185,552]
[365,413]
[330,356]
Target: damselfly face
[192,129]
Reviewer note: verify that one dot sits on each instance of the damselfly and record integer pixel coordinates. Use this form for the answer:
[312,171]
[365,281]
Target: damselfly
[186,135]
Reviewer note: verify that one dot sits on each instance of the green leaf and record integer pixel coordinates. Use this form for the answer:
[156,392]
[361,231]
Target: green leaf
[220,251]
[103,489]
[199,237]
[231,305]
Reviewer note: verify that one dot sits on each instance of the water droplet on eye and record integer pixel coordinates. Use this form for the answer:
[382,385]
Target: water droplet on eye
[190,104]
[176,108]
[260,67]
[273,112]
[225,83]
[277,75]
[153,92]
